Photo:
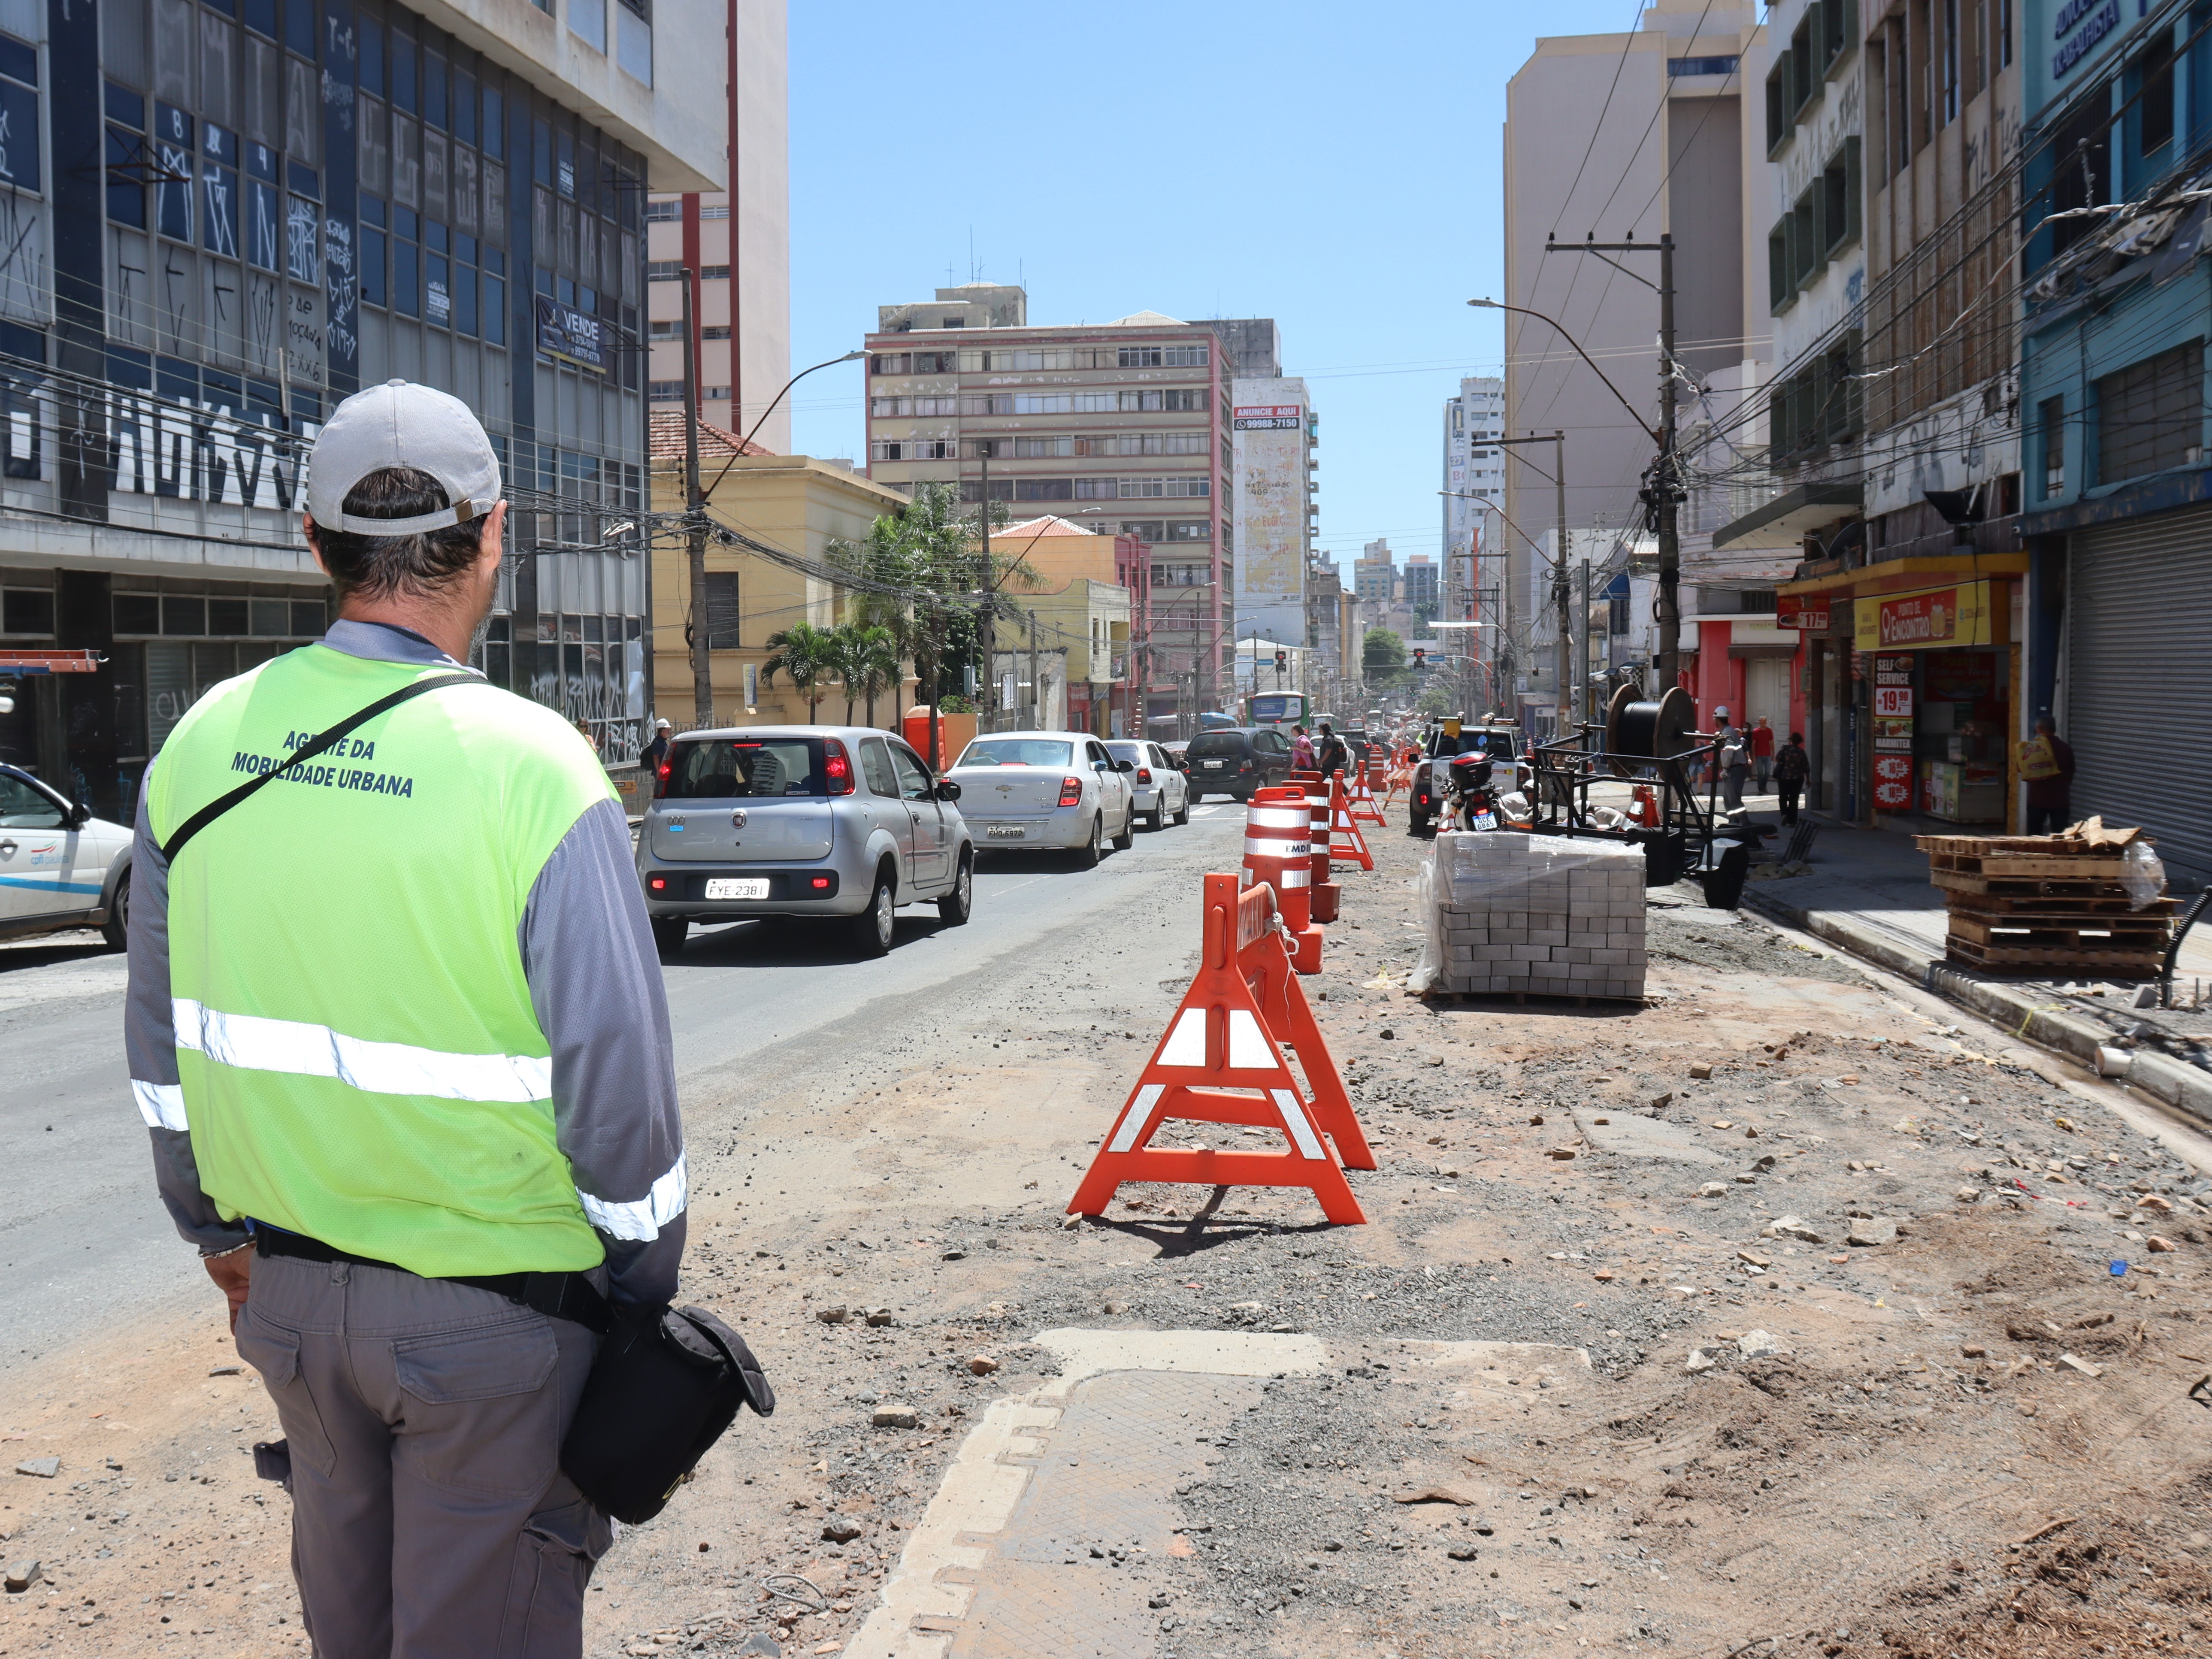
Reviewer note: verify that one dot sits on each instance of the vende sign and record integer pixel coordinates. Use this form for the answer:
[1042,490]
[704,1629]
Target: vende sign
[1808,612]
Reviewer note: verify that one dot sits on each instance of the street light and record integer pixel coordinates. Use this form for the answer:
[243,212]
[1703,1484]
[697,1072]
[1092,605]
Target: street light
[1651,432]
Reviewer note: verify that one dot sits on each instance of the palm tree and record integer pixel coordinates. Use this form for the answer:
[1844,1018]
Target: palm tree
[875,663]
[803,654]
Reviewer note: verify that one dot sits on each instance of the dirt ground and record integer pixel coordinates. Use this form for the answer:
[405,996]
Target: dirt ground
[1977,1436]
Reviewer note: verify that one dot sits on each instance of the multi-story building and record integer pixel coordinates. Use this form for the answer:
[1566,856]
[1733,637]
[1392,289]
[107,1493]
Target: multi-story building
[1894,429]
[1754,507]
[1619,138]
[1122,425]
[1374,576]
[1420,578]
[2118,497]
[1273,432]
[294,202]
[737,244]
[1473,481]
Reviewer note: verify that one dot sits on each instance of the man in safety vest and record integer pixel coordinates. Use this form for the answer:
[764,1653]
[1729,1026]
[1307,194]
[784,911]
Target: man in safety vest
[397,1026]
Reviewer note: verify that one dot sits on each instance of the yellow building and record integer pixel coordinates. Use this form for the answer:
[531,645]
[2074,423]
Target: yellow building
[1082,634]
[792,503]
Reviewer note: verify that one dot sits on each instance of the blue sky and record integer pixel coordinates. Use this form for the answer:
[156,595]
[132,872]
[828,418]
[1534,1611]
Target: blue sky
[1336,168]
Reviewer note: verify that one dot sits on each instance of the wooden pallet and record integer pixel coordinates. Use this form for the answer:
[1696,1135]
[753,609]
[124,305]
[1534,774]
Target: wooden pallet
[1953,881]
[2062,902]
[2032,932]
[2018,867]
[2096,965]
[1986,845]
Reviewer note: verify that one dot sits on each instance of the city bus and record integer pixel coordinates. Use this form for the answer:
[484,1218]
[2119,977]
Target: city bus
[1280,710]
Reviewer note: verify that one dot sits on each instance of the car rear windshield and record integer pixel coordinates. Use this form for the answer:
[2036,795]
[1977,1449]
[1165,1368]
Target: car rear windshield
[1018,751]
[1216,743]
[1127,751]
[723,768]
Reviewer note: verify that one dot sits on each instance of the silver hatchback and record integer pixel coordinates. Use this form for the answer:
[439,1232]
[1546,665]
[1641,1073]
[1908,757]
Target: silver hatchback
[841,823]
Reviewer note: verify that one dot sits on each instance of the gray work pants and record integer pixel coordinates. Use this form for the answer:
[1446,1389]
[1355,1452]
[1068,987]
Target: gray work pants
[430,1517]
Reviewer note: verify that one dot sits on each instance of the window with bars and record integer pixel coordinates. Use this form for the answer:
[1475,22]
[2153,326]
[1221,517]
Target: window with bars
[723,616]
[2150,415]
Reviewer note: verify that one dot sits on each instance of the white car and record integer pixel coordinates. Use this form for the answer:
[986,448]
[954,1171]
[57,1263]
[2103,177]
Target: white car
[60,867]
[1161,791]
[1055,790]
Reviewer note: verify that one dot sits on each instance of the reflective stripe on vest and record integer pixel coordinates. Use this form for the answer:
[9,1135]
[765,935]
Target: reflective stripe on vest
[253,1042]
[162,1104]
[645,1218]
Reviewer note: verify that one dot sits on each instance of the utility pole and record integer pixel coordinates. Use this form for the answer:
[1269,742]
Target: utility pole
[1670,537]
[1582,679]
[1661,496]
[1562,587]
[1037,686]
[694,512]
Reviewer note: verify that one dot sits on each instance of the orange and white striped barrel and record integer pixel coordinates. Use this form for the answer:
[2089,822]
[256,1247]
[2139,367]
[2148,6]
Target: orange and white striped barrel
[1325,892]
[1279,851]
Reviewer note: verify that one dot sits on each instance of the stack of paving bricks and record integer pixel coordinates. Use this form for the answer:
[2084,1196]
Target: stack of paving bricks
[1543,914]
[2052,906]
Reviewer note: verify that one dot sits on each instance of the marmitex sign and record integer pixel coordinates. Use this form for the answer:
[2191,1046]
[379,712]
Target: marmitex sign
[1269,417]
[1929,618]
[1805,611]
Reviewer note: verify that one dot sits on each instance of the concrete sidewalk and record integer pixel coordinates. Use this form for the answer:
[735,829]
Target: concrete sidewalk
[1869,892]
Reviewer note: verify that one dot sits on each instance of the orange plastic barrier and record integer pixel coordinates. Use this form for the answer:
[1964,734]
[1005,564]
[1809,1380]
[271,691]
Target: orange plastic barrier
[1278,852]
[1344,830]
[1363,780]
[1221,1062]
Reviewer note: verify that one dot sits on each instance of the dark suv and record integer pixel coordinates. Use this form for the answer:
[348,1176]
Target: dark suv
[1236,761]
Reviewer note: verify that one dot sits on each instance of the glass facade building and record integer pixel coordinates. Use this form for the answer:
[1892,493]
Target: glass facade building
[217,219]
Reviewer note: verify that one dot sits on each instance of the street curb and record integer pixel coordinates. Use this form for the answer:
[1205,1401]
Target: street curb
[2183,1087]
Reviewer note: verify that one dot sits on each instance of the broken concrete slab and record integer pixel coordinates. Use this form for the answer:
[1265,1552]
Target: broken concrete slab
[1629,1136]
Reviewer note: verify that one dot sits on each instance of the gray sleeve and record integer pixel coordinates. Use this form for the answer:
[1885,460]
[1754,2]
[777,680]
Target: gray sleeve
[150,1044]
[595,982]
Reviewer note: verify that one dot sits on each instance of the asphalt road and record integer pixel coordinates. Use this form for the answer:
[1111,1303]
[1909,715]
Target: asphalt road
[84,1242]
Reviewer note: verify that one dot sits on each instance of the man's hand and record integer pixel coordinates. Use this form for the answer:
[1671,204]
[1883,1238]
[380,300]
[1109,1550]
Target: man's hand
[231,1273]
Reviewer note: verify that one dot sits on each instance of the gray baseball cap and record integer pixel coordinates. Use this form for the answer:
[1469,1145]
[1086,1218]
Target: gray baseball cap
[402,424]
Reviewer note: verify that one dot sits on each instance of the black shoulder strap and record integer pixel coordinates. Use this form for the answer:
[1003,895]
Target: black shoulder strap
[215,809]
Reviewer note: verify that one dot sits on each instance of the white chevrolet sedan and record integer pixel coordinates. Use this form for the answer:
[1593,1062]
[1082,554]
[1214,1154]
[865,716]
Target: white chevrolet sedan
[60,867]
[1046,790]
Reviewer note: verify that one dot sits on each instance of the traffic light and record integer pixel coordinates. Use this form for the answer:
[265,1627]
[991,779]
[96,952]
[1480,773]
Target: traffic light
[1282,659]
[1420,658]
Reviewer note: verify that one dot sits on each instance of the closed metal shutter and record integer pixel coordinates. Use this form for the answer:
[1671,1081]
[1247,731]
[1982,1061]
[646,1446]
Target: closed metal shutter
[2139,680]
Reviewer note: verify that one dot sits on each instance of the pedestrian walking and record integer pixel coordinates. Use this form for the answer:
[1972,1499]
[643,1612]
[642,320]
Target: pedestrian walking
[2047,762]
[1792,766]
[1302,750]
[400,1041]
[656,751]
[1762,754]
[1331,754]
[1733,756]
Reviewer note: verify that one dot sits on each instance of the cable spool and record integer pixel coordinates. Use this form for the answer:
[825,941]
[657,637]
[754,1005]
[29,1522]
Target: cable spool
[1650,731]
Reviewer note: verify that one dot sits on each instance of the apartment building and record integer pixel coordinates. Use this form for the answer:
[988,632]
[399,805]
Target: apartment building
[1474,469]
[1374,576]
[737,244]
[1894,430]
[1621,137]
[295,200]
[1123,426]
[1420,578]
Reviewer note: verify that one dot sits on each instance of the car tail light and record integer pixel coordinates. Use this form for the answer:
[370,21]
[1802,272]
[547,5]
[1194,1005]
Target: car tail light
[1070,792]
[1144,775]
[659,883]
[820,884]
[837,768]
[660,776]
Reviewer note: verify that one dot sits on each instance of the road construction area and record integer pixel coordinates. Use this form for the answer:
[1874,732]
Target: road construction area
[1788,1313]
